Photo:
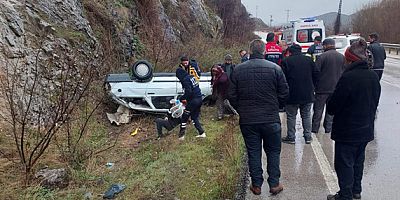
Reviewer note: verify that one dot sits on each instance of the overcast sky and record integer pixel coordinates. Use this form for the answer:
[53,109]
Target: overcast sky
[298,8]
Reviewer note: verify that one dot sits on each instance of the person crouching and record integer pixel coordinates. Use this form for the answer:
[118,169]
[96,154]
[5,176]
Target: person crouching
[171,121]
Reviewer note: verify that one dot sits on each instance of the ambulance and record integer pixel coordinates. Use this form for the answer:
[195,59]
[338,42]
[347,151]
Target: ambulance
[303,32]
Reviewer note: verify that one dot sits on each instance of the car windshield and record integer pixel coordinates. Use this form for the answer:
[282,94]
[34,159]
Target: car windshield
[308,35]
[341,43]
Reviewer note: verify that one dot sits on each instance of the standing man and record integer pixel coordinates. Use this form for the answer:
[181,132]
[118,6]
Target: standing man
[243,56]
[273,52]
[330,67]
[316,49]
[353,105]
[191,67]
[228,66]
[301,75]
[257,90]
[378,53]
[193,100]
[285,48]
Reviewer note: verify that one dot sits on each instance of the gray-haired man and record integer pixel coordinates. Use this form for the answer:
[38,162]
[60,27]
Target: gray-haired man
[258,89]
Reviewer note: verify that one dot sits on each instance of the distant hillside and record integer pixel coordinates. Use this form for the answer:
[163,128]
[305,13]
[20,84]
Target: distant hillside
[330,18]
[260,24]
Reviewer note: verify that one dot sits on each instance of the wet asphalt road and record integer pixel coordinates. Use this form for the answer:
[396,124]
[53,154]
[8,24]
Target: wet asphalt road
[307,170]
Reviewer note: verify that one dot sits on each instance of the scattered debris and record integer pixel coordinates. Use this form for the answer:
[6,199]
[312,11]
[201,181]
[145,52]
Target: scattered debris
[135,132]
[113,190]
[122,116]
[53,178]
[88,196]
[109,165]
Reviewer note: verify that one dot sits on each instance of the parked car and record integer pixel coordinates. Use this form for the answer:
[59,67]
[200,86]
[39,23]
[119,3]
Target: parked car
[342,42]
[147,91]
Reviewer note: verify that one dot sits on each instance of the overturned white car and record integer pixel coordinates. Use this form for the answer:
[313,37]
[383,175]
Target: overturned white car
[147,91]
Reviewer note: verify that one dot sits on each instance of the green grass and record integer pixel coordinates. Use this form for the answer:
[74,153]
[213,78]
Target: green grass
[166,169]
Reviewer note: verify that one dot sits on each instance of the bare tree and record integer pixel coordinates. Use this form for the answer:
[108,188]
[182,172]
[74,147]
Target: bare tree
[378,17]
[41,98]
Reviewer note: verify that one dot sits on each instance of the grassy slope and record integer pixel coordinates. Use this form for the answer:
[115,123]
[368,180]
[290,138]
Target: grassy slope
[166,169]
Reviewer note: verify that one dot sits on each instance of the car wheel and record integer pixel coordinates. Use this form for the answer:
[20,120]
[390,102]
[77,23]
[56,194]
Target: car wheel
[142,71]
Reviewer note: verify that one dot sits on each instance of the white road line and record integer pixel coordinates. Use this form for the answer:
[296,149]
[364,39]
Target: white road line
[389,83]
[329,175]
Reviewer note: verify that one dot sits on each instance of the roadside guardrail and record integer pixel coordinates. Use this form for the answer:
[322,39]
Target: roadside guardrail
[392,48]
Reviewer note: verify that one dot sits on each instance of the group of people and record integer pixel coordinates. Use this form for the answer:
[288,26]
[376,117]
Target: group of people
[346,85]
[188,73]
[273,77]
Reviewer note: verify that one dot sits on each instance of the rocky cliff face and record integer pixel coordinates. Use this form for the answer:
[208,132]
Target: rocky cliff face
[110,27]
[32,26]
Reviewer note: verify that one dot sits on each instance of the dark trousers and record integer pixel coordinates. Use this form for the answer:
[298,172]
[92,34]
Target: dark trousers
[379,73]
[167,123]
[270,136]
[224,107]
[192,110]
[319,105]
[349,166]
[305,113]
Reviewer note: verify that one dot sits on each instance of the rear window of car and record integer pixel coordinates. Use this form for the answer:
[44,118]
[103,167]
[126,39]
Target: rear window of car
[341,43]
[308,35]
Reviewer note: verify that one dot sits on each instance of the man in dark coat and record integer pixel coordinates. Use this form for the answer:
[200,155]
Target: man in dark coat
[228,66]
[301,75]
[257,90]
[192,97]
[330,66]
[353,105]
[378,53]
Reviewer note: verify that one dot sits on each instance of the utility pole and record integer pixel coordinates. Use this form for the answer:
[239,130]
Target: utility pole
[287,15]
[338,18]
[270,21]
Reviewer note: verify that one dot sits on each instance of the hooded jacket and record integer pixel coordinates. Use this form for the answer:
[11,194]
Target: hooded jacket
[354,104]
[189,85]
[220,82]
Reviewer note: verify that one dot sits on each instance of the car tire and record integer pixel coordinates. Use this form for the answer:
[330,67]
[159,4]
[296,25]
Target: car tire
[142,71]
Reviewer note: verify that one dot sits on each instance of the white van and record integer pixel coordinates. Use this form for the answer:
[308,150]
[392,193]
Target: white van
[303,32]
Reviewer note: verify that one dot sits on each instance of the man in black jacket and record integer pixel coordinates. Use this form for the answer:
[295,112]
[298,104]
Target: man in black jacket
[330,66]
[378,53]
[228,66]
[353,105]
[193,100]
[257,90]
[301,75]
